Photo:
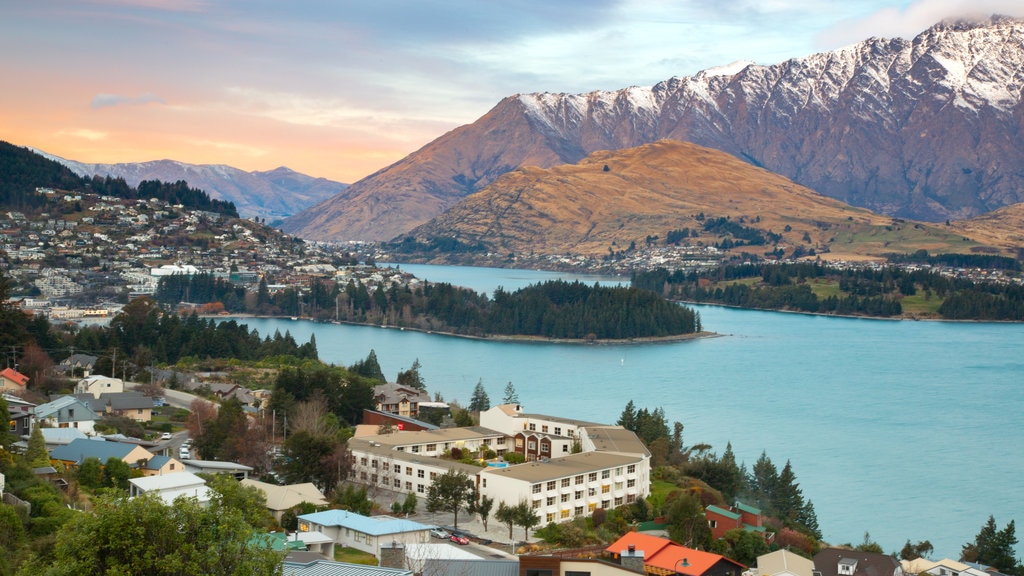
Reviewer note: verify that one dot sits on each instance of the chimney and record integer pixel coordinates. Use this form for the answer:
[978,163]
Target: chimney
[392,555]
[632,559]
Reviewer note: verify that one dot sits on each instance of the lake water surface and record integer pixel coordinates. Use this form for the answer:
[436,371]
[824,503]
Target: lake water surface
[907,430]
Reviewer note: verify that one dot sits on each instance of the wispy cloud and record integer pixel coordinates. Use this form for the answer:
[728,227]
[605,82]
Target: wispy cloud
[909,20]
[84,134]
[108,100]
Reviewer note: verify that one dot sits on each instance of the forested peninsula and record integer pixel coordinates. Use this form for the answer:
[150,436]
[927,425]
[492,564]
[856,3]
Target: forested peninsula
[918,292]
[552,310]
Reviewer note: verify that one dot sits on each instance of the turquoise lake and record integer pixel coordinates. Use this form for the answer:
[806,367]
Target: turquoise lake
[907,430]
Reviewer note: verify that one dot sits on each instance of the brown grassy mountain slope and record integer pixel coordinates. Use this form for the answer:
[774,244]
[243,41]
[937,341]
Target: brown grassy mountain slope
[1003,228]
[428,181]
[655,188]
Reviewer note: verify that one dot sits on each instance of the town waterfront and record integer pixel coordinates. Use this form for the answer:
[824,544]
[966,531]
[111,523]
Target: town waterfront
[907,430]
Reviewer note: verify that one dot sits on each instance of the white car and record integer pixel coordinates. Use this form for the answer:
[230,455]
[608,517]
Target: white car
[166,436]
[185,455]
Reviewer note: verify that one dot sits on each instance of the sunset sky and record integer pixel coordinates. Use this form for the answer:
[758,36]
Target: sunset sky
[341,89]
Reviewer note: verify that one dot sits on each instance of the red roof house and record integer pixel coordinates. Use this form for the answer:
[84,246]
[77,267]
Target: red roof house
[662,556]
[12,381]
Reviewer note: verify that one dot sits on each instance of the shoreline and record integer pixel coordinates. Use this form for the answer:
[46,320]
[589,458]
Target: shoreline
[490,338]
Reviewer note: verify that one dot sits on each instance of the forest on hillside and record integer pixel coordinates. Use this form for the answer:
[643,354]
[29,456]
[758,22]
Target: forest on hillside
[22,171]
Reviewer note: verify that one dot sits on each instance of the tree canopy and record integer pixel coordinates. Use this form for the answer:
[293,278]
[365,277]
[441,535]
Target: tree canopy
[142,535]
[452,492]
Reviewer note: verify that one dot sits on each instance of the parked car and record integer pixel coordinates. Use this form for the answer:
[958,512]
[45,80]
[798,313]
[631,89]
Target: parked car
[440,533]
[459,539]
[184,454]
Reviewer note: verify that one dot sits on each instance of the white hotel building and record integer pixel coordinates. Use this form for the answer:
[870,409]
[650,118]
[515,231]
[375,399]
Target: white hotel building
[613,468]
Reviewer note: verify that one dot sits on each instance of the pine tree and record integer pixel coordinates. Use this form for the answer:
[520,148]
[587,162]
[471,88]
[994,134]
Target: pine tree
[511,396]
[36,454]
[479,402]
[787,498]
[628,418]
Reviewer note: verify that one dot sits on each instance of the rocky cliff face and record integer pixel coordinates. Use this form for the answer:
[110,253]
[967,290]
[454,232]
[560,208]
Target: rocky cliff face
[928,129]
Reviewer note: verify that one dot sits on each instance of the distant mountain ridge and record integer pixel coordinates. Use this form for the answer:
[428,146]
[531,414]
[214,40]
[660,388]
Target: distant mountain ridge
[929,128]
[272,194]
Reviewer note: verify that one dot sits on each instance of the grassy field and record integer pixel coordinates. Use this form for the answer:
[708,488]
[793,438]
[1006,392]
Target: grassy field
[353,556]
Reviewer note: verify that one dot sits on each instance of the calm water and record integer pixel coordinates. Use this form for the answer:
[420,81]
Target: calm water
[908,430]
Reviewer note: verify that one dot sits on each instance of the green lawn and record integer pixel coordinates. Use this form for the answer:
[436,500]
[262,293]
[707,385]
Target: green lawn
[920,305]
[353,556]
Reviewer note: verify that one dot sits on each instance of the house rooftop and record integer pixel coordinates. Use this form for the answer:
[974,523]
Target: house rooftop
[319,567]
[372,525]
[286,497]
[79,449]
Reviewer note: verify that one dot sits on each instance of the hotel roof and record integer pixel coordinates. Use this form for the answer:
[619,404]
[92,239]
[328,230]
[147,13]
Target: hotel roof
[541,470]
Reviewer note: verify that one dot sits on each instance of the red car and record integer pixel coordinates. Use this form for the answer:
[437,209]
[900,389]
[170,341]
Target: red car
[459,539]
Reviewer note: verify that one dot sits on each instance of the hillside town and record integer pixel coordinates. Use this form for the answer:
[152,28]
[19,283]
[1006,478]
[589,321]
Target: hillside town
[556,470]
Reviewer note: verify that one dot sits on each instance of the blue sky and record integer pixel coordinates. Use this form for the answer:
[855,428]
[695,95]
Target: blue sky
[341,89]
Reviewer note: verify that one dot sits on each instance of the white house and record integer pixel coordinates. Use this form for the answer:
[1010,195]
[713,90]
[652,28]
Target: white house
[99,384]
[171,486]
[366,533]
[67,412]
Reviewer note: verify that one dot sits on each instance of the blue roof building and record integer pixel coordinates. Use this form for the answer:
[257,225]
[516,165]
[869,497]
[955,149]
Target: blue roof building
[366,533]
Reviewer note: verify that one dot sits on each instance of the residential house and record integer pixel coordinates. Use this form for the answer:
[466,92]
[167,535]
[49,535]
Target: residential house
[77,451]
[571,564]
[280,499]
[20,416]
[843,562]
[944,567]
[77,364]
[99,384]
[399,399]
[170,486]
[366,533]
[784,563]
[13,381]
[239,471]
[159,465]
[67,412]
[662,557]
[740,516]
[133,405]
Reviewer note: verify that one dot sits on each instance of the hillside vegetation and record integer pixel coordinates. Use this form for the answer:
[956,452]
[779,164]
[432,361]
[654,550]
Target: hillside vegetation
[673,192]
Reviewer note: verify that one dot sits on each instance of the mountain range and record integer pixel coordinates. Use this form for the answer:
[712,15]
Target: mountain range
[272,195]
[928,128]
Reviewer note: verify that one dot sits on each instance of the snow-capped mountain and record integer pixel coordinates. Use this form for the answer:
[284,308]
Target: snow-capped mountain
[928,128]
[273,194]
